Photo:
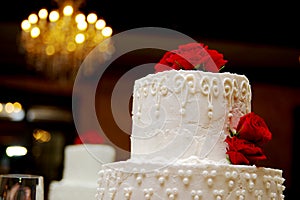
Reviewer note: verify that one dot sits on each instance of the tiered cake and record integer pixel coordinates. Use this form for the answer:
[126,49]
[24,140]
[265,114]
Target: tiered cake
[181,122]
[80,168]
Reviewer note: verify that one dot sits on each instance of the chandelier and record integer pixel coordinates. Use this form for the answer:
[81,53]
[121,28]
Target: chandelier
[56,42]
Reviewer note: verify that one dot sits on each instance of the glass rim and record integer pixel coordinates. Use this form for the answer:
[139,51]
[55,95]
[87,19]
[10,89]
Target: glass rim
[16,175]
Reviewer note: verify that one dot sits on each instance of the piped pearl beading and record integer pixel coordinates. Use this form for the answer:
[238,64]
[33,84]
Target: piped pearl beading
[206,181]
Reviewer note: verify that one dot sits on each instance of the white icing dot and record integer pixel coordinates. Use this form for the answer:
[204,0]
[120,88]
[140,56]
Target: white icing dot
[180,172]
[215,90]
[231,183]
[251,184]
[185,181]
[227,174]
[254,176]
[209,182]
[161,180]
[182,111]
[247,175]
[164,90]
[268,185]
[147,196]
[101,172]
[210,114]
[166,172]
[139,179]
[213,172]
[234,174]
[227,88]
[168,190]
[205,173]
[189,173]
[175,191]
[150,190]
[171,196]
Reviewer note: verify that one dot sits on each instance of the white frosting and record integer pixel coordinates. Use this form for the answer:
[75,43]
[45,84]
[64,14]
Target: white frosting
[81,165]
[132,181]
[128,180]
[180,120]
[179,113]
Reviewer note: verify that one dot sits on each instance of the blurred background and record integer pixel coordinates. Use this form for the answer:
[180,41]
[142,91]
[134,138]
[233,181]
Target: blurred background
[37,74]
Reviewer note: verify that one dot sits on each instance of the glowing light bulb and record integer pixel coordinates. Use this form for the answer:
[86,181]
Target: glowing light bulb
[91,18]
[43,13]
[68,10]
[33,18]
[53,16]
[79,18]
[107,31]
[100,24]
[82,25]
[79,39]
[25,25]
[35,32]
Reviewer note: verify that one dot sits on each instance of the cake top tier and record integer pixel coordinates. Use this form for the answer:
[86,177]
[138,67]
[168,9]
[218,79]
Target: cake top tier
[192,108]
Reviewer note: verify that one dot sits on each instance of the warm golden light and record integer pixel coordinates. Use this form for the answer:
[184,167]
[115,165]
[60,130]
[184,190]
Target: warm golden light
[91,18]
[100,24]
[41,135]
[33,18]
[82,25]
[107,31]
[12,111]
[25,25]
[80,18]
[68,10]
[50,50]
[17,107]
[43,13]
[57,43]
[79,38]
[35,32]
[9,107]
[53,16]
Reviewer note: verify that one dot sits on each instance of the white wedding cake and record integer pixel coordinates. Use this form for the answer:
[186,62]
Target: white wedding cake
[181,119]
[80,170]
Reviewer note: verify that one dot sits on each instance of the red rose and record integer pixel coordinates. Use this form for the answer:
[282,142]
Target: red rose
[253,128]
[191,56]
[218,60]
[241,151]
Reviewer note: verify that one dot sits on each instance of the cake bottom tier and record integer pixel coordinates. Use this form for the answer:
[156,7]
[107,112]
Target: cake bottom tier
[66,190]
[138,181]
